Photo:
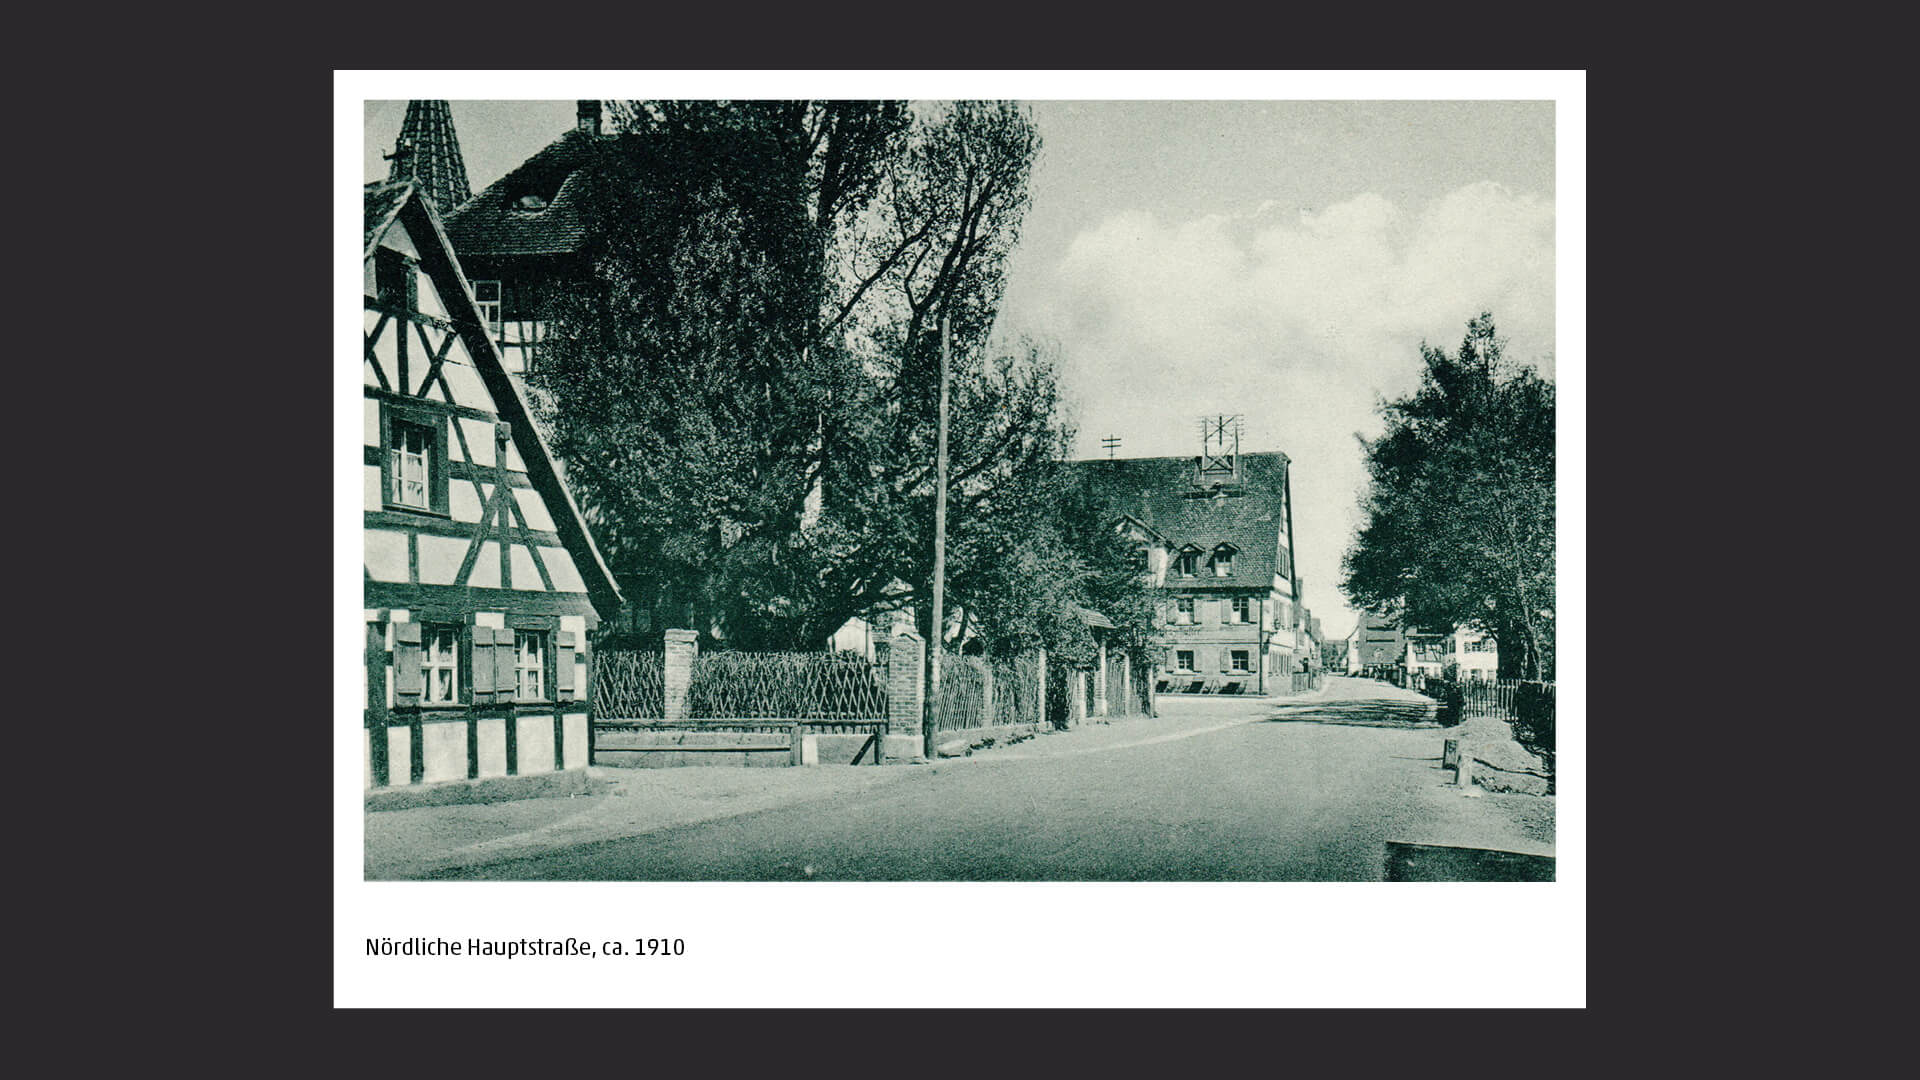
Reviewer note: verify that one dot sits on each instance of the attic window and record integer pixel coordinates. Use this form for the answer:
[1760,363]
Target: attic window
[534,193]
[1188,562]
[1223,561]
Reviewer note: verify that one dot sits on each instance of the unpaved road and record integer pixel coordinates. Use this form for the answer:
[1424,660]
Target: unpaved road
[1215,789]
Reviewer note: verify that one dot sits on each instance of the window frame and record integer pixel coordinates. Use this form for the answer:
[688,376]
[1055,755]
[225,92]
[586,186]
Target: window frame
[492,312]
[394,420]
[1186,562]
[1223,560]
[543,639]
[455,661]
[1242,609]
[1240,661]
[1184,661]
[1185,611]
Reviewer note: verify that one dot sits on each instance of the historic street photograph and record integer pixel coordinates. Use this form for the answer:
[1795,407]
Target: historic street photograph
[868,490]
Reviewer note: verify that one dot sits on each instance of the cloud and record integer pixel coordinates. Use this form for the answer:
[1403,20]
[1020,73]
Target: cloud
[1359,282]
[1300,318]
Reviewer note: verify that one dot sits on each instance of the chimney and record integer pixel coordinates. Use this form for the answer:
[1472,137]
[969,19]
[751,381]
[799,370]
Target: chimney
[589,117]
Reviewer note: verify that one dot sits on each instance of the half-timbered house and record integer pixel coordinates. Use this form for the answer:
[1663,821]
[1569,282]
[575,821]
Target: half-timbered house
[482,581]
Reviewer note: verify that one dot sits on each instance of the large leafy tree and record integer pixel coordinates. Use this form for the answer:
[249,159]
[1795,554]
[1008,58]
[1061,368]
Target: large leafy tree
[745,387]
[1460,508]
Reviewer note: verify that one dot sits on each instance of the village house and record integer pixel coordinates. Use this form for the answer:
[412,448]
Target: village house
[482,582]
[1375,643]
[522,239]
[1215,533]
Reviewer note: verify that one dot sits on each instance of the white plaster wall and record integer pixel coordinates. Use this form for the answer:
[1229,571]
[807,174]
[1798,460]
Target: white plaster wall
[399,757]
[525,576]
[386,554]
[535,749]
[492,734]
[486,570]
[534,508]
[444,750]
[574,732]
[566,577]
[462,501]
[440,558]
[371,495]
[479,436]
[468,389]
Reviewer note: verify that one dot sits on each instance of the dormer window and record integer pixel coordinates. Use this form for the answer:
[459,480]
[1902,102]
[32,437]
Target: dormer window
[1187,563]
[1223,560]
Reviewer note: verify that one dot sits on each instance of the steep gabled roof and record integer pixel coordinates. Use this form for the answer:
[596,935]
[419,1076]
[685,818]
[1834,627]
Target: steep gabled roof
[403,202]
[490,224]
[383,200]
[1160,494]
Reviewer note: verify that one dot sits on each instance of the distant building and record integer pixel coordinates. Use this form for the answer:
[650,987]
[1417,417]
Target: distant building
[1215,533]
[1375,643]
[1378,643]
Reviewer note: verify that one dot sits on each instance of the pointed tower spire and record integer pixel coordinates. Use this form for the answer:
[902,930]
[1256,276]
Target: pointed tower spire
[428,153]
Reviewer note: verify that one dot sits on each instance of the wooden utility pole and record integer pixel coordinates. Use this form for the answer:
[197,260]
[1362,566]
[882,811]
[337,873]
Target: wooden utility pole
[935,640]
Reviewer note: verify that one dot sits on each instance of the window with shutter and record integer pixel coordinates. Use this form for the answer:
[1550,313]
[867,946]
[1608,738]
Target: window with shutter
[530,665]
[563,659]
[407,680]
[482,666]
[440,664]
[505,679]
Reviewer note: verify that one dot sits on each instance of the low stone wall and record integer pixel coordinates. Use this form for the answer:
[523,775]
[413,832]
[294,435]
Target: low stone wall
[748,745]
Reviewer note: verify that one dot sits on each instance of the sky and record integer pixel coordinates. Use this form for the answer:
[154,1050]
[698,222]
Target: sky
[1282,260]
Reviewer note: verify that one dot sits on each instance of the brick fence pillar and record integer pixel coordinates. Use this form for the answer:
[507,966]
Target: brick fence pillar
[906,660]
[1077,698]
[989,716]
[677,670]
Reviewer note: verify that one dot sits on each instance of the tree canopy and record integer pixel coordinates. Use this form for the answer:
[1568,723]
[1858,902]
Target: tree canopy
[745,387]
[1459,512]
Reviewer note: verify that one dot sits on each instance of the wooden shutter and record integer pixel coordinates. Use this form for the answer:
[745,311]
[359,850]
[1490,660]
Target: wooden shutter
[505,681]
[482,665]
[407,679]
[563,664]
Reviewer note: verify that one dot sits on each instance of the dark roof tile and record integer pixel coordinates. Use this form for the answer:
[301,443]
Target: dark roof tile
[489,225]
[1161,494]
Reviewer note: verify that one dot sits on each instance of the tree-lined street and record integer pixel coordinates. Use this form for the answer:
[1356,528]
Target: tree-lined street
[1214,789]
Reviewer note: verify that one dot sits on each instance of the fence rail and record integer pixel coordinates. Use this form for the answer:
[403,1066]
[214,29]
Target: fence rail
[629,684]
[977,692]
[814,687]
[804,686]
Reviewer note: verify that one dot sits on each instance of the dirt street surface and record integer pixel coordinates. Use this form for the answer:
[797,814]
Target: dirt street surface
[1304,788]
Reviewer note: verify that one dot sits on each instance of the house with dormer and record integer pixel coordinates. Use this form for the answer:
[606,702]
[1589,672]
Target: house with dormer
[1215,533]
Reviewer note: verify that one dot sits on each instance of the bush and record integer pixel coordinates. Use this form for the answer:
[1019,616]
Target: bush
[1533,723]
